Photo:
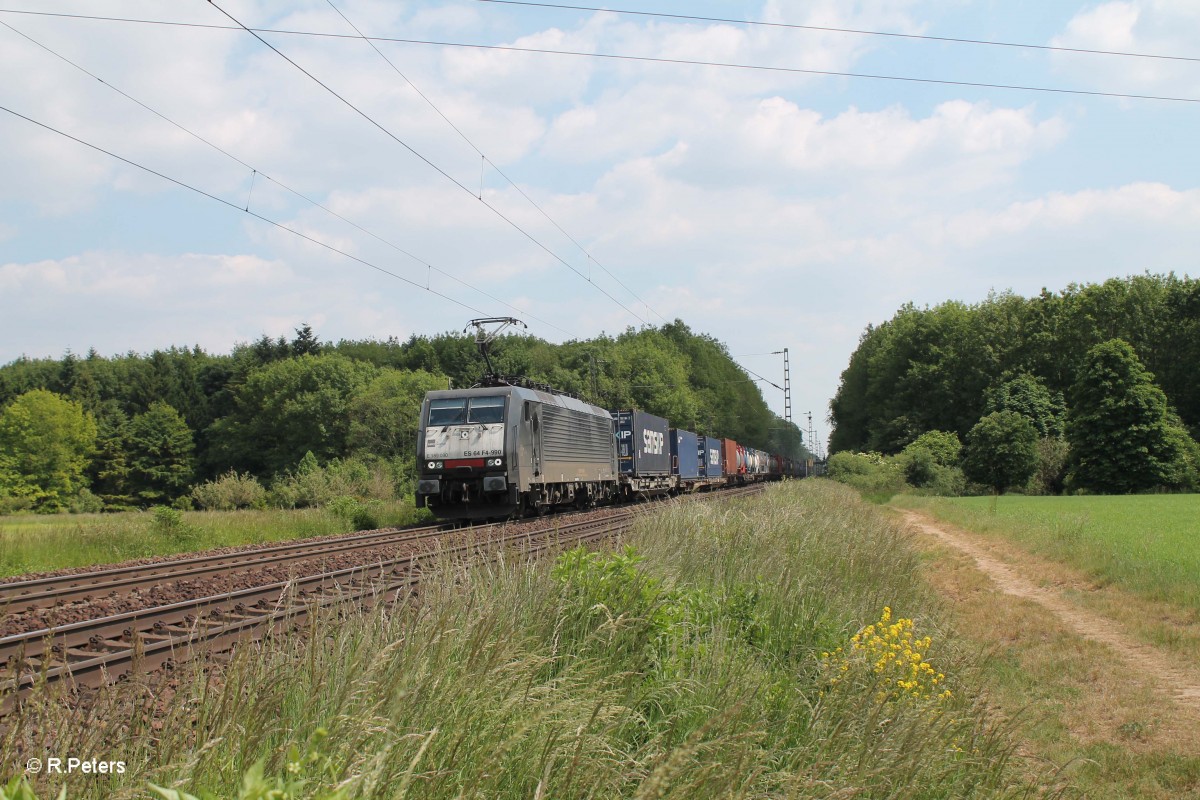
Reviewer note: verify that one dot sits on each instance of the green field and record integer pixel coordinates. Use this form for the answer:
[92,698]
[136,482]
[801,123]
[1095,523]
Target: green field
[37,543]
[1148,544]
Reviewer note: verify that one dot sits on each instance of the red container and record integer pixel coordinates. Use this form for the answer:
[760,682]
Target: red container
[733,457]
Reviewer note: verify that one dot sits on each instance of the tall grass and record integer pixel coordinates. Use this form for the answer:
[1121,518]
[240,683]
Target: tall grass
[1148,544]
[30,543]
[689,665]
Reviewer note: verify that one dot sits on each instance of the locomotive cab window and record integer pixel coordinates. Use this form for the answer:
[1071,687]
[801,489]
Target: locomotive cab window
[486,410]
[450,411]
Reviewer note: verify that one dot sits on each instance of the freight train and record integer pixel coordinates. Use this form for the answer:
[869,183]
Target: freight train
[509,450]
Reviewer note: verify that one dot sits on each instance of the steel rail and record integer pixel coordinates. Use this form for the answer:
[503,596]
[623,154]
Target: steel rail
[57,590]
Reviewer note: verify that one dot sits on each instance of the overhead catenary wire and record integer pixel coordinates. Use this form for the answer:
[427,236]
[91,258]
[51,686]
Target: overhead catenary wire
[426,160]
[236,207]
[643,59]
[488,161]
[260,174]
[831,29]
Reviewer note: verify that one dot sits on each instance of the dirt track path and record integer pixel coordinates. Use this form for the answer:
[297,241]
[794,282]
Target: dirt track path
[1174,679]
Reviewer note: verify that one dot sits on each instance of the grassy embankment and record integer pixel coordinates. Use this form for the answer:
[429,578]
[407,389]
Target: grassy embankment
[691,666]
[36,543]
[1140,556]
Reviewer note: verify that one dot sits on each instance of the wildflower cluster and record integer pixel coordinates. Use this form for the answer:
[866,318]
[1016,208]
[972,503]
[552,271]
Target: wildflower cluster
[892,659]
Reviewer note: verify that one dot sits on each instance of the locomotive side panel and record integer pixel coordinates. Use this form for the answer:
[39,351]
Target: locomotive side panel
[576,445]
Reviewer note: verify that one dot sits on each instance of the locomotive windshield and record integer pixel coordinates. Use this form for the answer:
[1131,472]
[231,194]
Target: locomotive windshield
[461,410]
[487,410]
[452,411]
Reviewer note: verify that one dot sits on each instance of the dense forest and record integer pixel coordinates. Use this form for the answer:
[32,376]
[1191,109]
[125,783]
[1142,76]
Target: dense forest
[1105,375]
[129,431]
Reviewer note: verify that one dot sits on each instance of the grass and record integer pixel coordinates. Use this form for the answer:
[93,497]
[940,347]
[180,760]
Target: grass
[36,543]
[690,665]
[1146,544]
[1112,732]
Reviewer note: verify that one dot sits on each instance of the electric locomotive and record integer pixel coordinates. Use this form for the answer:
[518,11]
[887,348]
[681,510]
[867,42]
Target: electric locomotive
[501,451]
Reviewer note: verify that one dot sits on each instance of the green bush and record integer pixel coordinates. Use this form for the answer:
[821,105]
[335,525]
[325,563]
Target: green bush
[943,447]
[1051,475]
[919,466]
[947,482]
[311,485]
[362,516]
[230,492]
[84,502]
[14,504]
[877,476]
[169,524]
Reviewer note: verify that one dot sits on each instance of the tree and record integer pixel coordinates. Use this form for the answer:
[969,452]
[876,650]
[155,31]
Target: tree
[928,369]
[930,453]
[384,415]
[46,443]
[1001,451]
[943,446]
[159,445]
[288,407]
[108,473]
[1029,396]
[1118,428]
[306,342]
[1051,475]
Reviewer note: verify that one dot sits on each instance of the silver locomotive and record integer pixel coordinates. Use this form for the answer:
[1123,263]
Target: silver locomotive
[503,451]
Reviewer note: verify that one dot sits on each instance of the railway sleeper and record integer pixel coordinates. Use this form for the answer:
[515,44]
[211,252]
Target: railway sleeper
[84,654]
[99,643]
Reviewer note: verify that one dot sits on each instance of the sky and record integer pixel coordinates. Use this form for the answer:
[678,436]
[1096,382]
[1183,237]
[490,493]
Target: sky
[772,197]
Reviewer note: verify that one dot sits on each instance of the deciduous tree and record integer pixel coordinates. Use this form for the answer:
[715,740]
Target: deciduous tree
[288,408]
[1117,425]
[46,443]
[1001,451]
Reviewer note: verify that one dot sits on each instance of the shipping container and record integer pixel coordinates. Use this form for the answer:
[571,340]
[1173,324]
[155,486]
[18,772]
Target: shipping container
[685,454]
[710,457]
[733,457]
[643,444]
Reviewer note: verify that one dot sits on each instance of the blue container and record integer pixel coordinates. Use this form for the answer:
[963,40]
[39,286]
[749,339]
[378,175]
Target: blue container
[685,454]
[709,455]
[643,444]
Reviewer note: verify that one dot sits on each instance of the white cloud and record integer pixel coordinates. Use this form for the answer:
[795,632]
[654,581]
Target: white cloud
[1158,27]
[889,139]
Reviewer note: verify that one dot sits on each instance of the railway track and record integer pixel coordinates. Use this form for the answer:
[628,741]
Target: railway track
[58,590]
[92,652]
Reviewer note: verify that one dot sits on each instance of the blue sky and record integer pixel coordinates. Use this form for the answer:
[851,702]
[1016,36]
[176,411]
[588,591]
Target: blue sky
[768,209]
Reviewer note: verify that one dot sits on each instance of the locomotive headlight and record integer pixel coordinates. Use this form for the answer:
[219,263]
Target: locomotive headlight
[495,462]
[434,465]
